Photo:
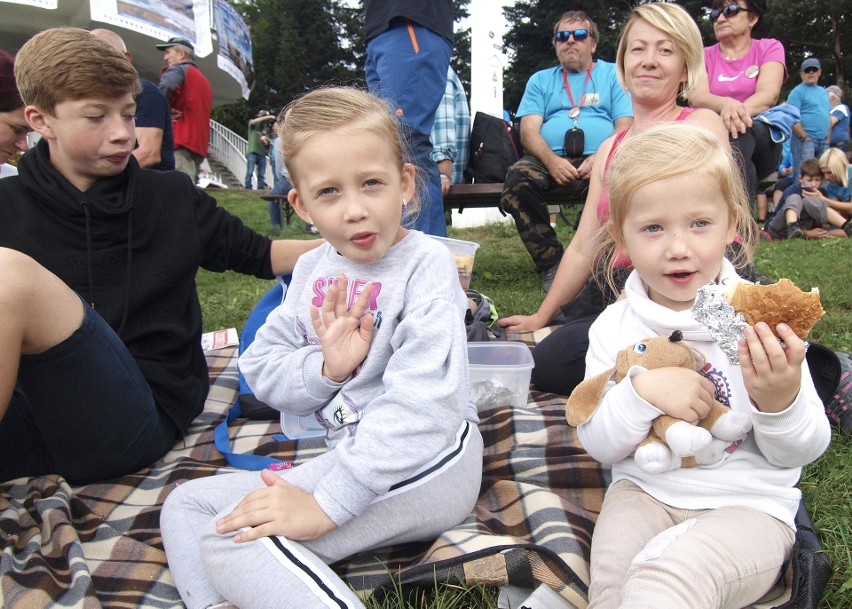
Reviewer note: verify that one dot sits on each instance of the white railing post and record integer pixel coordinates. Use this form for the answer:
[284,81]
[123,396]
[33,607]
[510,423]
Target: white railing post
[230,149]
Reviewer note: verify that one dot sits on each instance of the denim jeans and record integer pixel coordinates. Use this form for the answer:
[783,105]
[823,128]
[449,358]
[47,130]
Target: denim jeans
[253,160]
[414,80]
[275,162]
[804,150]
[282,187]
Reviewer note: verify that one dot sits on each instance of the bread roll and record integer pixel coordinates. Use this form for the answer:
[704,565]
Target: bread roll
[777,303]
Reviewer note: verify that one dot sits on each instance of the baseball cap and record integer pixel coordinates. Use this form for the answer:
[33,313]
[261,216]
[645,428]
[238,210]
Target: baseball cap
[811,62]
[835,89]
[176,41]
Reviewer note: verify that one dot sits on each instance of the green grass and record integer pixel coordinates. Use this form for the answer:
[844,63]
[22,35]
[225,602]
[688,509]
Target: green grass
[504,271]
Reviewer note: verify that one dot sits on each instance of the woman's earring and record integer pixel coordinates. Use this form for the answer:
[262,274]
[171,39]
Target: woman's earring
[404,203]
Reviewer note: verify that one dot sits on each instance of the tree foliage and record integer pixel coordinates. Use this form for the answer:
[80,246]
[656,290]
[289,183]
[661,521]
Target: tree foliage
[821,28]
[298,45]
[461,52]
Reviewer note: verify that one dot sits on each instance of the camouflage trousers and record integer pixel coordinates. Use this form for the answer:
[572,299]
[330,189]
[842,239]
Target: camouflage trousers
[523,198]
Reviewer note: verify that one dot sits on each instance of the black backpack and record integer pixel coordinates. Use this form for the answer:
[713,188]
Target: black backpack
[495,145]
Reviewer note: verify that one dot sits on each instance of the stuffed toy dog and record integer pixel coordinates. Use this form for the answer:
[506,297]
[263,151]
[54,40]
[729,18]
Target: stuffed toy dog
[672,442]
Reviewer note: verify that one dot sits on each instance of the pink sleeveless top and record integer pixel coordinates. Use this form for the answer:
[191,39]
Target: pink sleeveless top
[621,260]
[603,202]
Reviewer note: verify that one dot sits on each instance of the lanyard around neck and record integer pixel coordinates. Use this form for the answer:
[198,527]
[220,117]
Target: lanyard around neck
[574,111]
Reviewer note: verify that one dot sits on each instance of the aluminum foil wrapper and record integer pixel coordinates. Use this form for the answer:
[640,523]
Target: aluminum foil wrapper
[725,324]
[490,394]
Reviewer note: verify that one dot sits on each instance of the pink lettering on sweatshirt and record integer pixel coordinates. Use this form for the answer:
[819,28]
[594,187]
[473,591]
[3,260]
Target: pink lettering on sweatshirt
[355,289]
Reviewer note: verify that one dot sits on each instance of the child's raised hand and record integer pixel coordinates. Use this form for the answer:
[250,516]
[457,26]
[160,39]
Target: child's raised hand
[345,335]
[279,509]
[678,392]
[772,372]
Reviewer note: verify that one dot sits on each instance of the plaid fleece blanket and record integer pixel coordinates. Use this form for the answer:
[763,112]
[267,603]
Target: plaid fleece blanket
[99,545]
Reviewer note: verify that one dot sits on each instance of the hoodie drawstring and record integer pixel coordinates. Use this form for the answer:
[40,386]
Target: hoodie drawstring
[85,206]
[129,265]
[90,271]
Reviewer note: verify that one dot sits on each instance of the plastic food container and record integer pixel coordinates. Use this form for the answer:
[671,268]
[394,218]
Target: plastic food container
[499,374]
[296,427]
[464,252]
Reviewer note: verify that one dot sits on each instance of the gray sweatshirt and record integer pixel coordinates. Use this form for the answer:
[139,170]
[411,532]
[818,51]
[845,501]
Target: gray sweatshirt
[404,404]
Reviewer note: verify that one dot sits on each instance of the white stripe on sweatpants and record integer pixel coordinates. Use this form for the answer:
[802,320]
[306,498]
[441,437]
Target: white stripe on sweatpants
[443,461]
[292,556]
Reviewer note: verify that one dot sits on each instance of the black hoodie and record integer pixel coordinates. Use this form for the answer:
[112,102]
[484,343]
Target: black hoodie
[131,246]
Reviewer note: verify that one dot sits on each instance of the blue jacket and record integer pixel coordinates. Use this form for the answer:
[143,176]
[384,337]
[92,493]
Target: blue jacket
[780,119]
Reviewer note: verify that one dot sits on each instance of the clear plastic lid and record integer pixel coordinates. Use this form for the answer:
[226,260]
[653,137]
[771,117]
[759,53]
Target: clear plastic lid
[296,427]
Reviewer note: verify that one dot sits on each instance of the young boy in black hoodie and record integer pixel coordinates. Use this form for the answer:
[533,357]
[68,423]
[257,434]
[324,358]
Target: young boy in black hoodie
[101,369]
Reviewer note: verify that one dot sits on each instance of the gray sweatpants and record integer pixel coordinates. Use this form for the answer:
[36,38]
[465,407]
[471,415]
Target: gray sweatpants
[209,568]
[809,210]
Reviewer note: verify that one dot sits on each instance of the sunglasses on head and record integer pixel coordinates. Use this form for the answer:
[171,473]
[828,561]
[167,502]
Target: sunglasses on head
[564,35]
[810,70]
[728,11]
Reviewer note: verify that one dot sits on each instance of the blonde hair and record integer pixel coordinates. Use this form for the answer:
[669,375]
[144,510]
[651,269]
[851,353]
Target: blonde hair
[347,110]
[68,63]
[674,21]
[834,159]
[668,150]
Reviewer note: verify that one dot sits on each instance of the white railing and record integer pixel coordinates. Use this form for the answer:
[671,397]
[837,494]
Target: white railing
[230,149]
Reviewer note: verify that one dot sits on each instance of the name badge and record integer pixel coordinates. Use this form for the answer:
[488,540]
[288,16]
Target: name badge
[591,99]
[752,71]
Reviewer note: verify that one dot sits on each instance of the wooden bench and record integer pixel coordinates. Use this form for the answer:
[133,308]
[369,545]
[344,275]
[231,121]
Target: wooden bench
[284,208]
[473,196]
[463,196]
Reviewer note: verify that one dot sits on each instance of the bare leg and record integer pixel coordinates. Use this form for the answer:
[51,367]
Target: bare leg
[762,206]
[834,217]
[38,312]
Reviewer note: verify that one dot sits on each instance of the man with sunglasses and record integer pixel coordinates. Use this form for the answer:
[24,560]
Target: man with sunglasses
[566,112]
[810,135]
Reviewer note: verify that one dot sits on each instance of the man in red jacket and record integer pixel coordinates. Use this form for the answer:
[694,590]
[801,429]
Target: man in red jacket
[190,98]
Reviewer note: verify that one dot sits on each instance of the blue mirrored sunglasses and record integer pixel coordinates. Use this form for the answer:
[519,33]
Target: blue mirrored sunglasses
[728,11]
[564,35]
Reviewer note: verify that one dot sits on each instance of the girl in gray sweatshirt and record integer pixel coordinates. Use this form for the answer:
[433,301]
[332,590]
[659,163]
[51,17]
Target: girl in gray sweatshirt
[370,341]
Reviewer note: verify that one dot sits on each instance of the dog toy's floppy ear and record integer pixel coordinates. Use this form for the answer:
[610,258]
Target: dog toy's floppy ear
[586,397]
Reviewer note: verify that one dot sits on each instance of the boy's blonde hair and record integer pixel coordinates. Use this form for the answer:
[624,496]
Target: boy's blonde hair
[668,150]
[835,161]
[346,110]
[66,63]
[674,21]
